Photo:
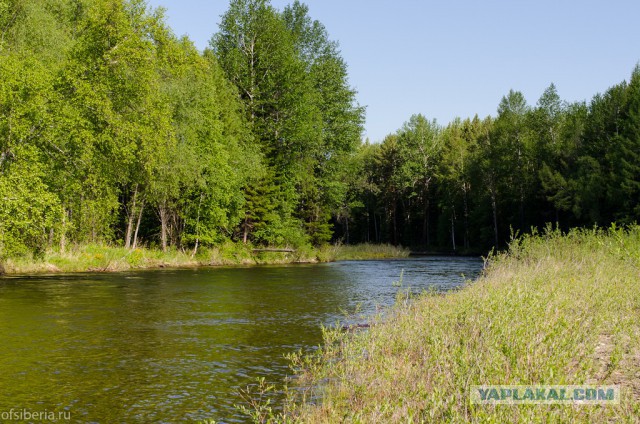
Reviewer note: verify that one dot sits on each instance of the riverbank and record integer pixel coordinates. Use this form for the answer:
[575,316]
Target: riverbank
[102,258]
[556,310]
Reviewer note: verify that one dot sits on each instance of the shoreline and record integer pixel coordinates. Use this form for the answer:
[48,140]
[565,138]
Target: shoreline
[553,310]
[95,258]
[48,270]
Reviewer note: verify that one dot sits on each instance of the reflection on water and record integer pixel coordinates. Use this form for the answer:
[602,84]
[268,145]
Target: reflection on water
[171,346]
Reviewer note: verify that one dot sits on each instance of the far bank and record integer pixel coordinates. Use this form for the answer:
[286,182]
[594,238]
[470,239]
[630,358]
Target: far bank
[105,258]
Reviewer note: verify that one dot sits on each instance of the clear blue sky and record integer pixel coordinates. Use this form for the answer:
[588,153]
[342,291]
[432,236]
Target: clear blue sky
[453,58]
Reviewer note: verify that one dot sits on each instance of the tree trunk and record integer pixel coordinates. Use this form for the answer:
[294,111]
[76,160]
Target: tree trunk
[164,223]
[175,228]
[368,227]
[135,235]
[131,212]
[453,229]
[63,231]
[195,249]
[494,207]
[129,233]
[346,223]
[245,231]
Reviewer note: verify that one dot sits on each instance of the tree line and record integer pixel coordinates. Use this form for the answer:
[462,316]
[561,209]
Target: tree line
[114,130]
[475,183]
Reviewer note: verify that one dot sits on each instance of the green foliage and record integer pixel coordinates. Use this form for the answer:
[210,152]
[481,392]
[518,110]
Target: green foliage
[303,114]
[122,123]
[127,134]
[480,181]
[38,27]
[29,212]
[260,207]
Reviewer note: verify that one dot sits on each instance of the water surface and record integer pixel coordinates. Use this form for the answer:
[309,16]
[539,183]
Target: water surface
[177,345]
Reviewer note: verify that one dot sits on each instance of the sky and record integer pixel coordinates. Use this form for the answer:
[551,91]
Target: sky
[454,58]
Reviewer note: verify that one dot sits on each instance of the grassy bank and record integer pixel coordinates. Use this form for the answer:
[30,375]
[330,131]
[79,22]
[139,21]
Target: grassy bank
[555,310]
[363,251]
[101,258]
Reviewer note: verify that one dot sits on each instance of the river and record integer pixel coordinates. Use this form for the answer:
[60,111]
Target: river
[177,345]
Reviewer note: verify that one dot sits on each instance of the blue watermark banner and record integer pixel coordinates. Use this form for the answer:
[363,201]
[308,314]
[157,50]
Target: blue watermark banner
[539,394]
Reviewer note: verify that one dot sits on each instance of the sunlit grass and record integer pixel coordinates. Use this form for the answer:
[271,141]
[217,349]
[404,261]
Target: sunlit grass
[99,258]
[555,310]
[105,258]
[349,252]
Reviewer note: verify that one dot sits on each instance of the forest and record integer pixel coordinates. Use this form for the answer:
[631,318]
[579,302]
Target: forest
[114,130]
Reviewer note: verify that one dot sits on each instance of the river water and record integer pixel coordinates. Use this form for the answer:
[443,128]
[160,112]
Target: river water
[177,345]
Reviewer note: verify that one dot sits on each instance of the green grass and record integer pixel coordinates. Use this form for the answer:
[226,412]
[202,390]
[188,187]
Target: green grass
[364,251]
[555,309]
[105,258]
[99,258]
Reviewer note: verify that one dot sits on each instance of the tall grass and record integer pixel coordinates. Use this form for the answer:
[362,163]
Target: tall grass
[555,309]
[105,258]
[350,252]
[97,257]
